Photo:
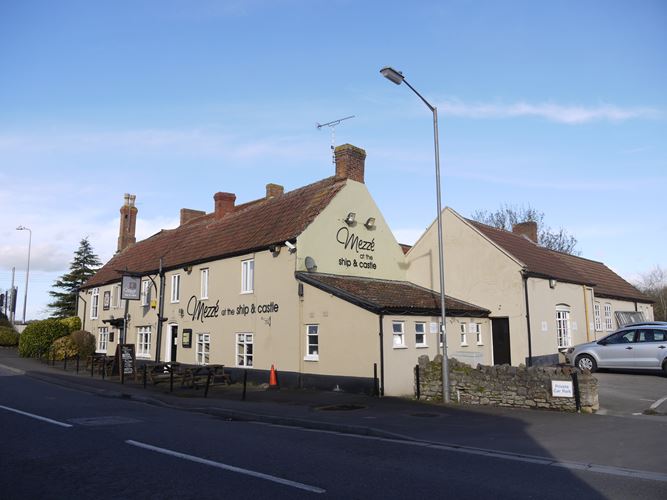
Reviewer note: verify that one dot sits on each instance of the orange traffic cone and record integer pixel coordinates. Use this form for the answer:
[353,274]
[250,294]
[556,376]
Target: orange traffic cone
[273,379]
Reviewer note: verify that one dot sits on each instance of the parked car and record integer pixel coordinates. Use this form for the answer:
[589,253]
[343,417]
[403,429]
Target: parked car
[639,346]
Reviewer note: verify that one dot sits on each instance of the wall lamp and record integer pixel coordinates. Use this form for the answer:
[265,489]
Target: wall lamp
[349,220]
[370,223]
[291,246]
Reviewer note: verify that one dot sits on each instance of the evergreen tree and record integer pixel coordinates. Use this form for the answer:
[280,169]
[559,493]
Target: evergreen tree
[83,266]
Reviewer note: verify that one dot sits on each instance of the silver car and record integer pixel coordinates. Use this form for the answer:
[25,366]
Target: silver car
[639,346]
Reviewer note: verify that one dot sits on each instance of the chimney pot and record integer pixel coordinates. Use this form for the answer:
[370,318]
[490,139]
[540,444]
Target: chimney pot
[224,203]
[527,229]
[274,190]
[350,162]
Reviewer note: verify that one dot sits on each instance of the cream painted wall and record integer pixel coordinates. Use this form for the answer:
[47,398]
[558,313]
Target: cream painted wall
[476,271]
[621,306]
[324,240]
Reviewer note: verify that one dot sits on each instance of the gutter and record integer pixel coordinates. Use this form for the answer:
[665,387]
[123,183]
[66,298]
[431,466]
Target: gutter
[381,356]
[530,346]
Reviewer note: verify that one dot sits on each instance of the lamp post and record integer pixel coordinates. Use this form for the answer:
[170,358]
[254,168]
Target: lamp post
[397,77]
[27,270]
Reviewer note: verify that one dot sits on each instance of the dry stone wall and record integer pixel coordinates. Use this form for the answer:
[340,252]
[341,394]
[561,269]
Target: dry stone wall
[505,385]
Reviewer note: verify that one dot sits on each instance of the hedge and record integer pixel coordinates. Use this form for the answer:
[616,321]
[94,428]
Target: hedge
[37,337]
[8,336]
[84,342]
[73,323]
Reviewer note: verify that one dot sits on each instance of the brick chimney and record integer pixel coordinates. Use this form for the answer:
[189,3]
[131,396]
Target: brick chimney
[187,214]
[350,162]
[128,223]
[527,229]
[274,191]
[224,202]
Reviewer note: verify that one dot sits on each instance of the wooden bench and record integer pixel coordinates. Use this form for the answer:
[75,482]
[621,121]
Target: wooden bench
[201,375]
[100,363]
[162,372]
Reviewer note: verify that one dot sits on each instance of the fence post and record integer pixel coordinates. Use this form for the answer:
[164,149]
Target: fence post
[144,375]
[245,382]
[208,383]
[78,357]
[417,385]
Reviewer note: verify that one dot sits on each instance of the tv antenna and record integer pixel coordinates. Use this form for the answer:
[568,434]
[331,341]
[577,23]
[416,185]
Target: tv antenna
[332,125]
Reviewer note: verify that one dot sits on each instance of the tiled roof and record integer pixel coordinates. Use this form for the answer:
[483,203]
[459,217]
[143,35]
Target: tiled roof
[389,296]
[249,227]
[541,261]
[405,248]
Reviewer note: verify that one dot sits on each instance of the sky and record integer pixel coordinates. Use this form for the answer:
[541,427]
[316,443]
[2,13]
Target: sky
[561,106]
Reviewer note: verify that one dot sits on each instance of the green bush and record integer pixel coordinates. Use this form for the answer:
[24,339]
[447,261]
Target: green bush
[37,337]
[64,347]
[73,323]
[8,336]
[4,321]
[84,342]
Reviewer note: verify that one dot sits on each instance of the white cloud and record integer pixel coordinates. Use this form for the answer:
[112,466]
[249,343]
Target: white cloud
[559,113]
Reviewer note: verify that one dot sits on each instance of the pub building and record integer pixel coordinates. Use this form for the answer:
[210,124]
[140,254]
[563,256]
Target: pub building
[311,281]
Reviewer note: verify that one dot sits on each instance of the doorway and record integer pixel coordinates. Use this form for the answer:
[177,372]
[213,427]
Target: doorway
[501,341]
[171,344]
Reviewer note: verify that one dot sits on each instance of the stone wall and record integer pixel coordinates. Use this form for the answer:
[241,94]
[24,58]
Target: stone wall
[506,385]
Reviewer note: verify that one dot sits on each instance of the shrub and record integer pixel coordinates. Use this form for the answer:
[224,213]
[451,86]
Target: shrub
[37,337]
[84,342]
[4,321]
[8,336]
[73,323]
[64,346]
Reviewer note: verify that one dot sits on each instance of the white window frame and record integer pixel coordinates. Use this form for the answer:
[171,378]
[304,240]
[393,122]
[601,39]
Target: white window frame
[608,318]
[247,276]
[563,335]
[115,297]
[95,303]
[143,342]
[598,317]
[398,334]
[102,339]
[245,352]
[420,325]
[203,349]
[175,288]
[204,283]
[312,332]
[463,330]
[476,328]
[145,292]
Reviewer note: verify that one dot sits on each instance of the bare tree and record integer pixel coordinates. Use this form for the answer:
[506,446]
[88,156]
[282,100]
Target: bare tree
[654,284]
[509,215]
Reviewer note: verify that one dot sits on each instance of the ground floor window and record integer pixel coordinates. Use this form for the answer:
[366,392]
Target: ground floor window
[464,334]
[476,328]
[608,322]
[203,350]
[598,317]
[312,342]
[563,326]
[144,341]
[420,334]
[244,351]
[103,339]
[399,333]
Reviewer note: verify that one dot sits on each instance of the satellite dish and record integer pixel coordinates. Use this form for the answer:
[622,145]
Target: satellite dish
[310,263]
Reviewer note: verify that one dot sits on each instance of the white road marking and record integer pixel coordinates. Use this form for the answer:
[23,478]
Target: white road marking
[658,403]
[32,415]
[231,468]
[503,455]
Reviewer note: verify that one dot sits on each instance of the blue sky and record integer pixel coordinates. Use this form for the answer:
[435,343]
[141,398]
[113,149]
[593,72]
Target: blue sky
[557,105]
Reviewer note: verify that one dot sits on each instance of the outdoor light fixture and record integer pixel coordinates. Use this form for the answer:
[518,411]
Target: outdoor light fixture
[27,270]
[397,77]
[349,220]
[370,223]
[291,246]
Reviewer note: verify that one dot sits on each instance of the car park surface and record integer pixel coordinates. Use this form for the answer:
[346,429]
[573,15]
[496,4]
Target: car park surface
[632,393]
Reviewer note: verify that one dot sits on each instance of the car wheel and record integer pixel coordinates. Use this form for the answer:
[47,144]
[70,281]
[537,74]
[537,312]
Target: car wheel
[586,362]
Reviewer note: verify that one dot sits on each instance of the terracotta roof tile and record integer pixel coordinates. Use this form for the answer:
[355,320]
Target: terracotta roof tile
[251,226]
[390,296]
[565,267]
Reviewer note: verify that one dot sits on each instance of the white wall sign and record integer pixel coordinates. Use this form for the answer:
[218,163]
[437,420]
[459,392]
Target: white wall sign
[562,389]
[574,326]
[545,327]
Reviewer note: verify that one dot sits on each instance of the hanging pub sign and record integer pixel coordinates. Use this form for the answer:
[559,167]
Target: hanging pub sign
[130,288]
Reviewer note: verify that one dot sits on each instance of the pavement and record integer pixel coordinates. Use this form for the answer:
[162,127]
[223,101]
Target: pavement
[602,441]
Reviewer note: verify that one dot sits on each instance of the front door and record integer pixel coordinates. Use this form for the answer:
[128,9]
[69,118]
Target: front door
[171,344]
[501,341]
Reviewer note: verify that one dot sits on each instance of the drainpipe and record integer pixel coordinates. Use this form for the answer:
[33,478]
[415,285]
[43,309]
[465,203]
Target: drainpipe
[588,327]
[85,304]
[530,346]
[160,314]
[381,356]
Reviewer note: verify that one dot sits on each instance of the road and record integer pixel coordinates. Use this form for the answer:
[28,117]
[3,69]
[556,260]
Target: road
[63,443]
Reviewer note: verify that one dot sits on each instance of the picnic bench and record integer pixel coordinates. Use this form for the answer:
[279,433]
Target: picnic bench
[100,363]
[205,375]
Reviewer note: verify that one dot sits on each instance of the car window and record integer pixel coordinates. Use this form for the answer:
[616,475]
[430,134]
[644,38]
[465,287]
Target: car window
[645,336]
[659,335]
[624,337]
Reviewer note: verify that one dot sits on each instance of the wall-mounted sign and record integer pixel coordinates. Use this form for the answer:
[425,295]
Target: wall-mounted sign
[199,311]
[187,337]
[562,389]
[130,288]
[106,303]
[363,250]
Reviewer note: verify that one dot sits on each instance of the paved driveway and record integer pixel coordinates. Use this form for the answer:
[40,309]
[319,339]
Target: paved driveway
[625,393]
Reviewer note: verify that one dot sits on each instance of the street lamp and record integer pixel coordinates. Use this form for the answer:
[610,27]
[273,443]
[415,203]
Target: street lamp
[27,270]
[397,77]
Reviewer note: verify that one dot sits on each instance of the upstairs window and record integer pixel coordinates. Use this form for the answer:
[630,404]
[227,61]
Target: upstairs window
[115,297]
[145,292]
[204,284]
[247,275]
[95,303]
[175,288]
